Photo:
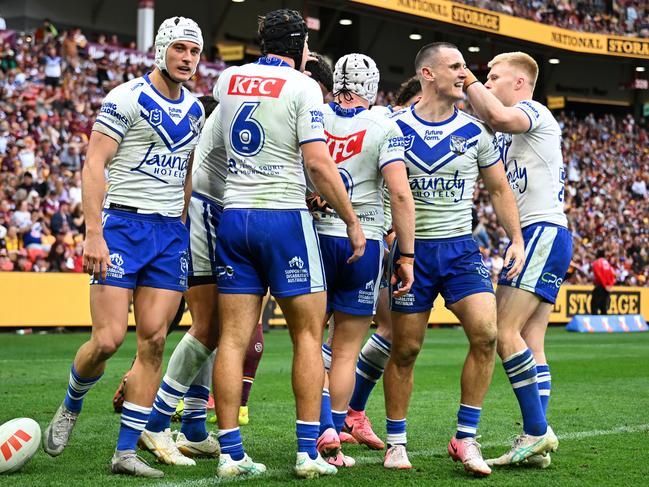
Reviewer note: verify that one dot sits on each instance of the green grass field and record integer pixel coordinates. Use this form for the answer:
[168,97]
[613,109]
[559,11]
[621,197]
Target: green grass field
[599,407]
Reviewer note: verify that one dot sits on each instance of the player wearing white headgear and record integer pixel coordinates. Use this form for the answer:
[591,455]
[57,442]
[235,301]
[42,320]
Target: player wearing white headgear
[367,148]
[530,143]
[271,117]
[136,242]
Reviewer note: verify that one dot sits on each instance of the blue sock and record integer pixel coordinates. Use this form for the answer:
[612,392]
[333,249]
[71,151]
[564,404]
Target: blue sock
[521,370]
[468,418]
[396,429]
[78,387]
[369,368]
[230,441]
[195,413]
[326,419]
[339,419]
[132,423]
[307,436]
[165,403]
[544,381]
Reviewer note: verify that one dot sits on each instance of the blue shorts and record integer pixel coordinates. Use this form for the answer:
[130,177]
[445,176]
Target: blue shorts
[203,220]
[145,250]
[450,266]
[351,288]
[548,251]
[258,249]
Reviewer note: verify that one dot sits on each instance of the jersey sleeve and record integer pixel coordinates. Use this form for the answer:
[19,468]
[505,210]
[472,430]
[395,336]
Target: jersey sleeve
[392,148]
[310,119]
[488,149]
[532,112]
[117,113]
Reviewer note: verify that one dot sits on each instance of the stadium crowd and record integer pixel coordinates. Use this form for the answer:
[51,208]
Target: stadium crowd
[51,89]
[620,17]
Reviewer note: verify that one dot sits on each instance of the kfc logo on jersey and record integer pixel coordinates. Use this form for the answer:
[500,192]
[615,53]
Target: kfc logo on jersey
[255,86]
[342,148]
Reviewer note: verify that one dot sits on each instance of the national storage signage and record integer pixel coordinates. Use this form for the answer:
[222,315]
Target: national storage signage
[29,299]
[517,28]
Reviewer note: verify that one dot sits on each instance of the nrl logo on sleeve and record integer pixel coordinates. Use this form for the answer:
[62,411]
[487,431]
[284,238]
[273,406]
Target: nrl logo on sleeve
[458,144]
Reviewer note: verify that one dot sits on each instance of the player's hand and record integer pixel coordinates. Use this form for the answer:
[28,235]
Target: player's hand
[96,259]
[357,239]
[514,259]
[403,272]
[309,57]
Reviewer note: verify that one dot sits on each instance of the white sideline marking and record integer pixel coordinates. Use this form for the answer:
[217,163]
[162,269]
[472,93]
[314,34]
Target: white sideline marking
[378,459]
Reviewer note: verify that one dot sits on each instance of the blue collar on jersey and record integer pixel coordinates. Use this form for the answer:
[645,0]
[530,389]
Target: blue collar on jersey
[345,112]
[433,124]
[272,61]
[179,100]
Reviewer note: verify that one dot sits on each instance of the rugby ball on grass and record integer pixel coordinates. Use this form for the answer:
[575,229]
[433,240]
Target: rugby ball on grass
[19,440]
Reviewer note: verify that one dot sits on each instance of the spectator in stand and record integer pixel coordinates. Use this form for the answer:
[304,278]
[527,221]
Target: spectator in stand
[45,32]
[62,218]
[53,68]
[604,278]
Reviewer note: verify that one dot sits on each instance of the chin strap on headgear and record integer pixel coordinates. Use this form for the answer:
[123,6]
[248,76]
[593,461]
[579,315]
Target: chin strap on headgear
[172,30]
[283,32]
[358,74]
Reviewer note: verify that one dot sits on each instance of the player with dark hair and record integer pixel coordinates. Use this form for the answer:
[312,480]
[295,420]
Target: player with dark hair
[271,119]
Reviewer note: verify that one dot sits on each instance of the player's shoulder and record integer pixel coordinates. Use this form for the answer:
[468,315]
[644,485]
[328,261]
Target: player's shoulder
[539,112]
[129,90]
[465,117]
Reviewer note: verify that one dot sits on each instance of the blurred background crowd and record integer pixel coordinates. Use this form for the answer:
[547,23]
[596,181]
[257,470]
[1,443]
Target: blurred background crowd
[52,84]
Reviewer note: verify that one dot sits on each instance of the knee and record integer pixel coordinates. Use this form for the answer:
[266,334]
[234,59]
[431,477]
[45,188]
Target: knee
[485,339]
[106,345]
[151,348]
[405,354]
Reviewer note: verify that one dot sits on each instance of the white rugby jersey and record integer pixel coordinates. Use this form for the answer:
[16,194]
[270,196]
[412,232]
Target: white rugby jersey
[534,166]
[361,143]
[443,161]
[268,110]
[210,162]
[156,137]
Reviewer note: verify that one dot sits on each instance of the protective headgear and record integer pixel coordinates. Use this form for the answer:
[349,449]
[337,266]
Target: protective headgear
[171,30]
[283,32]
[358,74]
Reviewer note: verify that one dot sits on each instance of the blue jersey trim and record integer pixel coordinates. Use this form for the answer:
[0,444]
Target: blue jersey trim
[272,61]
[528,117]
[206,199]
[110,127]
[390,162]
[491,164]
[312,140]
[175,102]
[345,112]
[433,124]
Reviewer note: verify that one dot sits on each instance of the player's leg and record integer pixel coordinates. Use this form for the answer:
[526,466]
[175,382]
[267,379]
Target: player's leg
[369,368]
[238,315]
[515,308]
[534,335]
[154,308]
[305,317]
[250,365]
[109,312]
[190,355]
[408,331]
[477,314]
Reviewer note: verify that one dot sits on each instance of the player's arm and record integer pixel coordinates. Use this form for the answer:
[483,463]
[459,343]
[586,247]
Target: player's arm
[101,150]
[511,120]
[403,221]
[506,210]
[327,181]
